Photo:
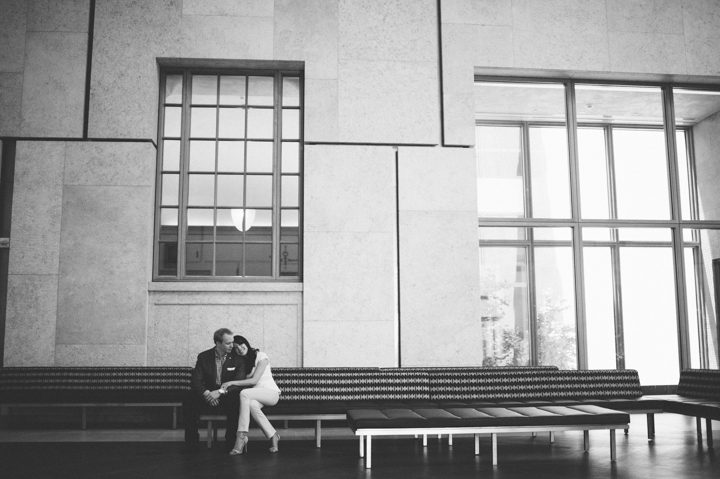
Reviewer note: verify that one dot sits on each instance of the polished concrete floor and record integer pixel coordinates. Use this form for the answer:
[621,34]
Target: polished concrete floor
[158,454]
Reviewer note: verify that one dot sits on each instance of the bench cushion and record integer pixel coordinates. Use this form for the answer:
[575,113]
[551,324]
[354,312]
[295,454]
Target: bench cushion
[93,384]
[498,385]
[700,383]
[483,417]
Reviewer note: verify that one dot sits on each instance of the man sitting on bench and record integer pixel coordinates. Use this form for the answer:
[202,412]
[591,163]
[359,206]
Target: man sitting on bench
[213,368]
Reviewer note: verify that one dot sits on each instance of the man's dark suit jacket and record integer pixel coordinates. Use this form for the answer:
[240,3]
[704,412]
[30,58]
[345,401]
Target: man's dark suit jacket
[203,377]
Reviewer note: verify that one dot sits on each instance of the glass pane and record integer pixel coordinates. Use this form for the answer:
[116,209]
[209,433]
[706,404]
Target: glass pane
[171,155]
[170,189]
[519,101]
[599,308]
[645,234]
[683,176]
[289,226]
[702,277]
[698,110]
[500,172]
[619,104]
[230,156]
[552,234]
[200,224]
[258,260]
[202,156]
[260,157]
[173,116]
[201,190]
[289,192]
[260,123]
[202,122]
[260,91]
[167,259]
[694,305]
[199,259]
[225,229]
[648,305]
[263,221]
[291,91]
[259,191]
[204,90]
[501,233]
[173,89]
[290,157]
[641,177]
[168,224]
[550,173]
[232,123]
[592,173]
[596,234]
[289,259]
[232,90]
[228,259]
[555,304]
[290,124]
[504,306]
[230,190]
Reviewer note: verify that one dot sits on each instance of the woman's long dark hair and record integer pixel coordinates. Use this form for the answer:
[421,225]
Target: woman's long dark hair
[251,354]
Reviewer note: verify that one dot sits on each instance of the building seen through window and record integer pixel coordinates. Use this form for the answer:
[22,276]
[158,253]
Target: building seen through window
[598,225]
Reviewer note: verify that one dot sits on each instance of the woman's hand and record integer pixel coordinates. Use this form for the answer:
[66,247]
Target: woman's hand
[226,385]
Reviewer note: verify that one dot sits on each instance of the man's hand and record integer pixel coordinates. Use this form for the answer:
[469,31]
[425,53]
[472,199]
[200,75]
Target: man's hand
[212,397]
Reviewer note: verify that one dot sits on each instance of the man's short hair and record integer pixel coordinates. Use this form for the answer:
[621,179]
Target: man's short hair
[218,335]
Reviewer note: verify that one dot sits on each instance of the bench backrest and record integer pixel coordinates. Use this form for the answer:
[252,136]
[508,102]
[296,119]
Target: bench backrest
[350,384]
[91,384]
[496,384]
[700,383]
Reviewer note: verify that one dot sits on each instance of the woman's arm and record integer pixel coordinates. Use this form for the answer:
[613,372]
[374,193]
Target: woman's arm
[249,381]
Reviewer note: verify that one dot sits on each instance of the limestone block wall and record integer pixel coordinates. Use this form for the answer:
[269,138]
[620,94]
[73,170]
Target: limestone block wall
[590,38]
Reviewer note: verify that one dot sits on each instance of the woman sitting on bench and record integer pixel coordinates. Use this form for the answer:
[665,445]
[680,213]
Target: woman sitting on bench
[260,390]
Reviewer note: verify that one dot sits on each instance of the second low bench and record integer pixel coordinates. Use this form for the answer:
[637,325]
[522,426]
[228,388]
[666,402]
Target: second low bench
[367,423]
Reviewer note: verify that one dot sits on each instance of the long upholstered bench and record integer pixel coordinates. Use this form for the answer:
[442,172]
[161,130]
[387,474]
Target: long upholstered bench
[92,387]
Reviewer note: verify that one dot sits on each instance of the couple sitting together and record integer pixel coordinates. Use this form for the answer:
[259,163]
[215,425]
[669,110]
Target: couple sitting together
[236,378]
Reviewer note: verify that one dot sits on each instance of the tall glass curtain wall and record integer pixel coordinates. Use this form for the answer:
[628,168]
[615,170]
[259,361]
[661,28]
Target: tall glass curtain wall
[599,221]
[229,177]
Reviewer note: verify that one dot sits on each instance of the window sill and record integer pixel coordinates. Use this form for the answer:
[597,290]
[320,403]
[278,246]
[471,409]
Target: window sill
[222,286]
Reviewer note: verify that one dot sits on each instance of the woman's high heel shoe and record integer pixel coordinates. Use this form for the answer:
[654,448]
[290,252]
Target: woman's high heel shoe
[274,443]
[241,444]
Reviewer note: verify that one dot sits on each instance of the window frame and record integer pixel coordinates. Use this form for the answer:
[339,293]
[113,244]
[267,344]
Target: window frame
[278,71]
[676,223]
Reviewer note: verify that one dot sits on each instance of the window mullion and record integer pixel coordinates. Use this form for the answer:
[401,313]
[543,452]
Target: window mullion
[277,174]
[184,179]
[617,307]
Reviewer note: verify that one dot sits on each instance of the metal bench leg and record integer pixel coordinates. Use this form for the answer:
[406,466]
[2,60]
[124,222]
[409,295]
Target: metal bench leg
[698,425]
[368,458]
[424,440]
[534,434]
[84,417]
[552,437]
[494,448]
[651,426]
[612,445]
[708,428]
[362,446]
[586,440]
[209,437]
[477,444]
[174,417]
[450,440]
[318,432]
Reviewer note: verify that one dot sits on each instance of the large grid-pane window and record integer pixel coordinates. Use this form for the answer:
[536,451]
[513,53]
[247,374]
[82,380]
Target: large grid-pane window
[598,217]
[229,184]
